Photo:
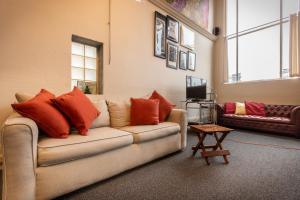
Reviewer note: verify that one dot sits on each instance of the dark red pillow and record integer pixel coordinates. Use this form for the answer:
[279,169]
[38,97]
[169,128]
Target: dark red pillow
[165,106]
[78,108]
[41,110]
[254,108]
[144,112]
[229,108]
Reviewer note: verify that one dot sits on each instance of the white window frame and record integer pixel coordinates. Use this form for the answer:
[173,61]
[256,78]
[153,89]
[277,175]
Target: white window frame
[237,34]
[99,61]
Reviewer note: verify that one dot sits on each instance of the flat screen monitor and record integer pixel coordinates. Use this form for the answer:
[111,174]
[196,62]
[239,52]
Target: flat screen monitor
[195,88]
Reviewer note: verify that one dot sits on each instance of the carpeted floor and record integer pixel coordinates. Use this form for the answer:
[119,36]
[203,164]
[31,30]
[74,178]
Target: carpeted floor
[254,172]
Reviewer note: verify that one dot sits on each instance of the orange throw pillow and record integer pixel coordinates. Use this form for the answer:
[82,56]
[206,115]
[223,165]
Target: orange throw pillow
[165,106]
[144,112]
[78,108]
[41,110]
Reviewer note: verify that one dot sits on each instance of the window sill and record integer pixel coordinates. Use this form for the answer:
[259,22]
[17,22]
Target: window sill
[259,81]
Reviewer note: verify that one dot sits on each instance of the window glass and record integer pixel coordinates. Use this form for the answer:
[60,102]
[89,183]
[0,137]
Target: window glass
[84,67]
[77,48]
[90,51]
[259,54]
[77,73]
[90,63]
[231,16]
[285,49]
[253,13]
[90,75]
[263,38]
[231,45]
[77,61]
[289,7]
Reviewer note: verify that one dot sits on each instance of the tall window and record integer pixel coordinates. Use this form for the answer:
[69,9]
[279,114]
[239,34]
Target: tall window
[85,65]
[258,40]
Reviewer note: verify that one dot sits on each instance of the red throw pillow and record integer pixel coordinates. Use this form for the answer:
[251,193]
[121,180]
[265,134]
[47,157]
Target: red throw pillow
[144,112]
[254,108]
[78,108]
[165,106]
[229,108]
[41,110]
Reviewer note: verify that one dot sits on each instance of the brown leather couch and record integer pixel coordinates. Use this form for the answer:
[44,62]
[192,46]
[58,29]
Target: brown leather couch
[280,119]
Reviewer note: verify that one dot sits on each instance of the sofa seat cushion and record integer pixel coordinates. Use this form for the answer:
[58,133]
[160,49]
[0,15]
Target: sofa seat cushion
[145,133]
[282,120]
[55,151]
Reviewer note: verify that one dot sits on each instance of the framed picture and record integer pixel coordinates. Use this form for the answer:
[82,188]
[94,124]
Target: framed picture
[187,38]
[183,60]
[172,29]
[191,60]
[160,35]
[172,55]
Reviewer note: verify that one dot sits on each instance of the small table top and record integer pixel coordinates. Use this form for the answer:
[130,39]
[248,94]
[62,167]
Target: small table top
[210,128]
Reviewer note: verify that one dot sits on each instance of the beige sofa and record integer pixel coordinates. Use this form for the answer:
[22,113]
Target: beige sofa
[38,167]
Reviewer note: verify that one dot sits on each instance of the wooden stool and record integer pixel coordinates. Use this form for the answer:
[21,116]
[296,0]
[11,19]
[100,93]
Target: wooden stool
[211,129]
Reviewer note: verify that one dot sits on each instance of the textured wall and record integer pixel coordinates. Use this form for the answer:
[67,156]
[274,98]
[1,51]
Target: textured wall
[35,38]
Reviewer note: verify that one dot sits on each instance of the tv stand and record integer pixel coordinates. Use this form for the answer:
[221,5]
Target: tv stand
[208,104]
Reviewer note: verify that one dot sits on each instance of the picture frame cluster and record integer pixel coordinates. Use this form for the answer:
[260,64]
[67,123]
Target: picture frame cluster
[166,43]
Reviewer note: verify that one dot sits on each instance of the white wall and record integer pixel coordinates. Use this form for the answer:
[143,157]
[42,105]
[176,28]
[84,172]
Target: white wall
[35,38]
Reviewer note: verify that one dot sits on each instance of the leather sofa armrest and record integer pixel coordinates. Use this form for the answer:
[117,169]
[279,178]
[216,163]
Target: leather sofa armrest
[295,118]
[19,136]
[220,111]
[180,116]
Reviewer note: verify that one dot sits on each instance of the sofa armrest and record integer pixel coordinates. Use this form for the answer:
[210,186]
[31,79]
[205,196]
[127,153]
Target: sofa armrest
[179,116]
[220,111]
[19,137]
[295,115]
[295,118]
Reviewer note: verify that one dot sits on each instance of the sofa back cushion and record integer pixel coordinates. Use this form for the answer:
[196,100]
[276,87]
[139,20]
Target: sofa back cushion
[41,110]
[165,106]
[278,110]
[144,112]
[23,97]
[254,108]
[119,112]
[240,108]
[100,103]
[78,109]
[229,108]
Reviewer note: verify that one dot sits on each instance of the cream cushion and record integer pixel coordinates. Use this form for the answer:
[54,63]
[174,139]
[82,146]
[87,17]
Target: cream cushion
[119,113]
[23,97]
[100,103]
[52,151]
[240,108]
[146,133]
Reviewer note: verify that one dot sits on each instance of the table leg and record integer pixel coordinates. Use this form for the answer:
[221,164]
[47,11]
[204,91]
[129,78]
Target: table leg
[220,145]
[195,148]
[200,143]
[203,149]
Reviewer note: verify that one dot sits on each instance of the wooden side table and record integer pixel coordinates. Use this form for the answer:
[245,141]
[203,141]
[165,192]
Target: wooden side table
[217,149]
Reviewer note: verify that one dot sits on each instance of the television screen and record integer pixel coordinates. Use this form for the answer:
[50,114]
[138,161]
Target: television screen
[195,88]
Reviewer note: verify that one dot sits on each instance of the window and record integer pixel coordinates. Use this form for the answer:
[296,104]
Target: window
[258,40]
[86,65]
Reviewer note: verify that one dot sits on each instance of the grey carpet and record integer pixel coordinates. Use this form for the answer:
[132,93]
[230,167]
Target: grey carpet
[254,172]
